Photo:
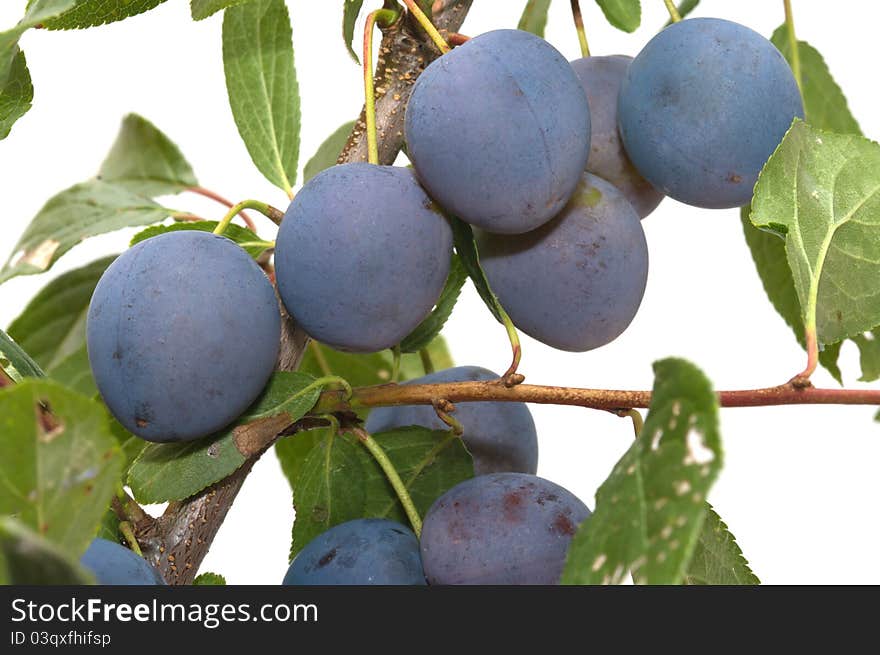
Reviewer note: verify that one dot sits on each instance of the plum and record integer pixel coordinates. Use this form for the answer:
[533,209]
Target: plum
[114,564]
[575,283]
[183,334]
[702,107]
[359,552]
[601,77]
[498,131]
[503,529]
[362,256]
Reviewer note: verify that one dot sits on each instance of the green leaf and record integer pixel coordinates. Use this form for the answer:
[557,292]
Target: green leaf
[75,372]
[625,15]
[82,211]
[292,451]
[26,558]
[201,9]
[825,106]
[768,252]
[350,12]
[109,528]
[16,93]
[717,559]
[328,152]
[534,17]
[174,471]
[52,326]
[209,579]
[428,329]
[650,510]
[38,11]
[130,445]
[466,248]
[330,490]
[15,362]
[92,13]
[291,394]
[359,370]
[237,233]
[60,471]
[869,354]
[145,161]
[262,86]
[429,462]
[822,191]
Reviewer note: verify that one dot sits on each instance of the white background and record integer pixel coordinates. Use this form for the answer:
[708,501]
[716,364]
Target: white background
[800,486]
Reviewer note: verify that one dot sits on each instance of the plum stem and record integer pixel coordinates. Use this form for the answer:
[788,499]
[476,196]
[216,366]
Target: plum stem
[385,18]
[268,245]
[511,377]
[127,509]
[127,531]
[395,363]
[456,39]
[427,362]
[320,358]
[216,197]
[275,215]
[579,26]
[427,25]
[637,420]
[393,477]
[793,44]
[326,381]
[444,409]
[674,16]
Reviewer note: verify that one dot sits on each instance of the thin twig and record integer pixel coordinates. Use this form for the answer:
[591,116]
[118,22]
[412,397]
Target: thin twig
[606,399]
[216,197]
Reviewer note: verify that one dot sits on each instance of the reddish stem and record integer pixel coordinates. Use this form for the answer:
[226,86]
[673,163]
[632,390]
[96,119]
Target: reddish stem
[456,39]
[802,379]
[207,193]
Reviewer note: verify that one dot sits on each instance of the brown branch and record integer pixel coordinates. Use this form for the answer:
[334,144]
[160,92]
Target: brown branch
[178,541]
[606,399]
[404,53]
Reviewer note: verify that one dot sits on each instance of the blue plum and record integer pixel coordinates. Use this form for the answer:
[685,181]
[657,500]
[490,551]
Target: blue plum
[500,436]
[362,256]
[113,564]
[503,528]
[359,552]
[601,77]
[702,108]
[499,131]
[577,282]
[183,333]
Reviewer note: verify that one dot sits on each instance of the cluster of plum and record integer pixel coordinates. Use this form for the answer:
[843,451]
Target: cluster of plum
[505,526]
[554,164]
